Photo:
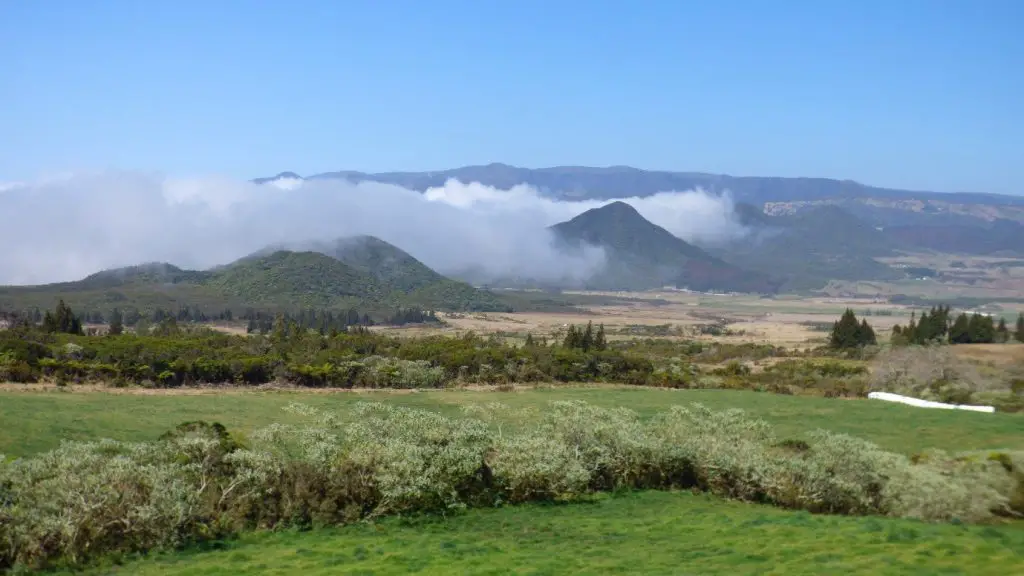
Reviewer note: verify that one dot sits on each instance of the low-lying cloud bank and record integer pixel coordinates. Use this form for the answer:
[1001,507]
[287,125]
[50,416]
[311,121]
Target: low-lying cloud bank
[64,229]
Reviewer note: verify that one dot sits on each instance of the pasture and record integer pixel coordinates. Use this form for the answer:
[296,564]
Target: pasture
[639,533]
[38,418]
[645,532]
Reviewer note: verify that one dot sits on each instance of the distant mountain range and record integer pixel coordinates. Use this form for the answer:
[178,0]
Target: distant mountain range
[581,182]
[967,222]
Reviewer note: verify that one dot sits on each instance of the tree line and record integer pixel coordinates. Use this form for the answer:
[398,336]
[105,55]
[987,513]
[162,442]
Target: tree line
[63,320]
[172,354]
[937,325]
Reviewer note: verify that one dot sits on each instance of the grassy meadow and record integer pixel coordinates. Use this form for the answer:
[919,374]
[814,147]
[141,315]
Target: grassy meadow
[644,532]
[639,533]
[36,421]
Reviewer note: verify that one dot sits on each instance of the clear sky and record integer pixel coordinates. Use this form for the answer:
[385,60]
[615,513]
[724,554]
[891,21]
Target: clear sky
[920,94]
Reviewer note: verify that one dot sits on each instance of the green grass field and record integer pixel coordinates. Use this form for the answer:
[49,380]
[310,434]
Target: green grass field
[648,532]
[643,533]
[37,421]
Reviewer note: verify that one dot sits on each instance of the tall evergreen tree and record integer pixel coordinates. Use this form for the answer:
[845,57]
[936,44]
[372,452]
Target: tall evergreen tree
[982,330]
[600,340]
[866,334]
[845,332]
[587,339]
[1002,332]
[1019,334]
[960,332]
[572,337]
[63,320]
[116,323]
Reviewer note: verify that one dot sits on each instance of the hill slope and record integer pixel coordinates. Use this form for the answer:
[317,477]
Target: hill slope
[363,272]
[297,278]
[641,255]
[416,283]
[810,248]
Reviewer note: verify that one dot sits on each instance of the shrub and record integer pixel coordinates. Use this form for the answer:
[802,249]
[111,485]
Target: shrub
[930,373]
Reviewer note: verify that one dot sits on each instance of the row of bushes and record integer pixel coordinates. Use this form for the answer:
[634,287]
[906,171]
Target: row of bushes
[307,359]
[372,360]
[89,499]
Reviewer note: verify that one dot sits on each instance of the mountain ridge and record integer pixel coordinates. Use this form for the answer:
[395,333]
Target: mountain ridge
[642,255]
[606,183]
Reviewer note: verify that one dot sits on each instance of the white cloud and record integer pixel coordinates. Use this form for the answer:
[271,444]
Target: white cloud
[695,215]
[64,229]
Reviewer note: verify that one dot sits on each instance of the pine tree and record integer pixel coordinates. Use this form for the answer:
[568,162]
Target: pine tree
[600,341]
[866,334]
[280,330]
[960,332]
[572,337]
[529,340]
[116,323]
[1019,334]
[981,329]
[63,320]
[1002,332]
[845,332]
[587,339]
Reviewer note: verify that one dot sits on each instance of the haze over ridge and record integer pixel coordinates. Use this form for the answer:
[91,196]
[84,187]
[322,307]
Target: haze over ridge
[110,219]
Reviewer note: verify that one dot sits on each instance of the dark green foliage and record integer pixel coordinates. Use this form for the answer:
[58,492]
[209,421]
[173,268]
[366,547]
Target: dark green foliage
[935,326]
[600,341]
[982,329]
[173,356]
[400,272]
[308,278]
[1002,332]
[585,339]
[62,320]
[847,333]
[960,332]
[116,323]
[1019,333]
[380,278]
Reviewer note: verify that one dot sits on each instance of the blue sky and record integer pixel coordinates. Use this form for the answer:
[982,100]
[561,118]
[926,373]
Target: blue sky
[920,94]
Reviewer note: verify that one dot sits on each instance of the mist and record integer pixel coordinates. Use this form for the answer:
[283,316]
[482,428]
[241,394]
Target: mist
[65,229]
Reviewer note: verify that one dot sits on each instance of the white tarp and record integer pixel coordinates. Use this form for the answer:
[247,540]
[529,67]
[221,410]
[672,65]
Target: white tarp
[889,396]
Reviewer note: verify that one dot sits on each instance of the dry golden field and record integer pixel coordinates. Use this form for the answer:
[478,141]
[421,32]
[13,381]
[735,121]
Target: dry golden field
[784,321]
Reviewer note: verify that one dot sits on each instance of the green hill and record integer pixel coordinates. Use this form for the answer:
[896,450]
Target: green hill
[416,283]
[306,279]
[641,255]
[364,273]
[812,247]
[386,262]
